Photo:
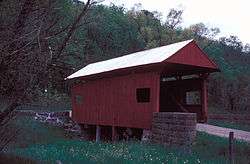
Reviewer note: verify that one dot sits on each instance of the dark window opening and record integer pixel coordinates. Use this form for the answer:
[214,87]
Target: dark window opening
[143,95]
[79,99]
[193,98]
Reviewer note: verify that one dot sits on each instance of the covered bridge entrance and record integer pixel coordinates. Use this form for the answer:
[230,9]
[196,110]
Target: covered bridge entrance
[126,91]
[184,94]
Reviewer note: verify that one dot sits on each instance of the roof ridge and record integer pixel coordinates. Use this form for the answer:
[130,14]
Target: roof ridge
[150,56]
[190,40]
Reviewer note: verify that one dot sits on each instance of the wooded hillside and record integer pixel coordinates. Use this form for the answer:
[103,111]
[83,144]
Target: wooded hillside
[44,41]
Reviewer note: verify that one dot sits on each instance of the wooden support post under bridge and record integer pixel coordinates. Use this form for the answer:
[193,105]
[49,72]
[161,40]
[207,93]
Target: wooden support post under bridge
[98,133]
[114,133]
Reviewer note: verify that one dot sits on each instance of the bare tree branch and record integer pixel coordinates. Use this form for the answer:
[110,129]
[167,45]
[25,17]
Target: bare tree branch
[72,29]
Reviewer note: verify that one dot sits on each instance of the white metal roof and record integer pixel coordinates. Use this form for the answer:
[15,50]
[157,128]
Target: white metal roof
[155,55]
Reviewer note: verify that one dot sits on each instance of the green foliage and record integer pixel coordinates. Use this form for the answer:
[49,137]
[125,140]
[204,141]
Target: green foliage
[107,32]
[112,34]
[216,53]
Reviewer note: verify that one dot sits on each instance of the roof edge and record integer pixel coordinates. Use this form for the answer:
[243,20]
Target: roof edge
[141,64]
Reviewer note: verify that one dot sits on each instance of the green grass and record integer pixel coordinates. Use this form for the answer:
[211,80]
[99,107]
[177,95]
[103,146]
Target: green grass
[207,149]
[225,123]
[15,159]
[217,110]
[46,144]
[228,124]
[213,147]
[89,152]
[33,132]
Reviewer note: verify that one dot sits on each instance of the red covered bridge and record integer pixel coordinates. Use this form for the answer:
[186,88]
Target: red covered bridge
[125,91]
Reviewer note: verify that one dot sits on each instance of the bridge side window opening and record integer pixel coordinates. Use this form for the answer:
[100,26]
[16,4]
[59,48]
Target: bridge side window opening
[143,95]
[78,99]
[193,97]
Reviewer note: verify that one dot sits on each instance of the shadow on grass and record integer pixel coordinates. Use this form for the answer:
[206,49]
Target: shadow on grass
[11,159]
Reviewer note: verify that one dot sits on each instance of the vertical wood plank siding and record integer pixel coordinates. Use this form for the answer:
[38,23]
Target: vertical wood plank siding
[192,55]
[109,98]
[112,101]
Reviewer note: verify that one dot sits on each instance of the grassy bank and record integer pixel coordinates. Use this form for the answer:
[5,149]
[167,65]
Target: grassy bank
[207,149]
[47,144]
[229,124]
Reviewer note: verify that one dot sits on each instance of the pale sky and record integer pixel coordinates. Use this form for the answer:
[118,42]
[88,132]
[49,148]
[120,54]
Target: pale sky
[231,16]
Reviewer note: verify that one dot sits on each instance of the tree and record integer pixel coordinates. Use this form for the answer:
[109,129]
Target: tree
[43,41]
[246,48]
[173,21]
[27,57]
[152,33]
[233,42]
[174,18]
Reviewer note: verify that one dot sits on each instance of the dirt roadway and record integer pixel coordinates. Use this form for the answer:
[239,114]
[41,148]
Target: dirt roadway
[223,132]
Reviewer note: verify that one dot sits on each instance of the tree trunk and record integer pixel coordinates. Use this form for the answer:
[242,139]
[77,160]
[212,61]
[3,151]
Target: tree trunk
[6,114]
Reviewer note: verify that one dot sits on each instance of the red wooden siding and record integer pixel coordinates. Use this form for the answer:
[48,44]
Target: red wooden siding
[192,55]
[112,101]
[109,98]
[204,97]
